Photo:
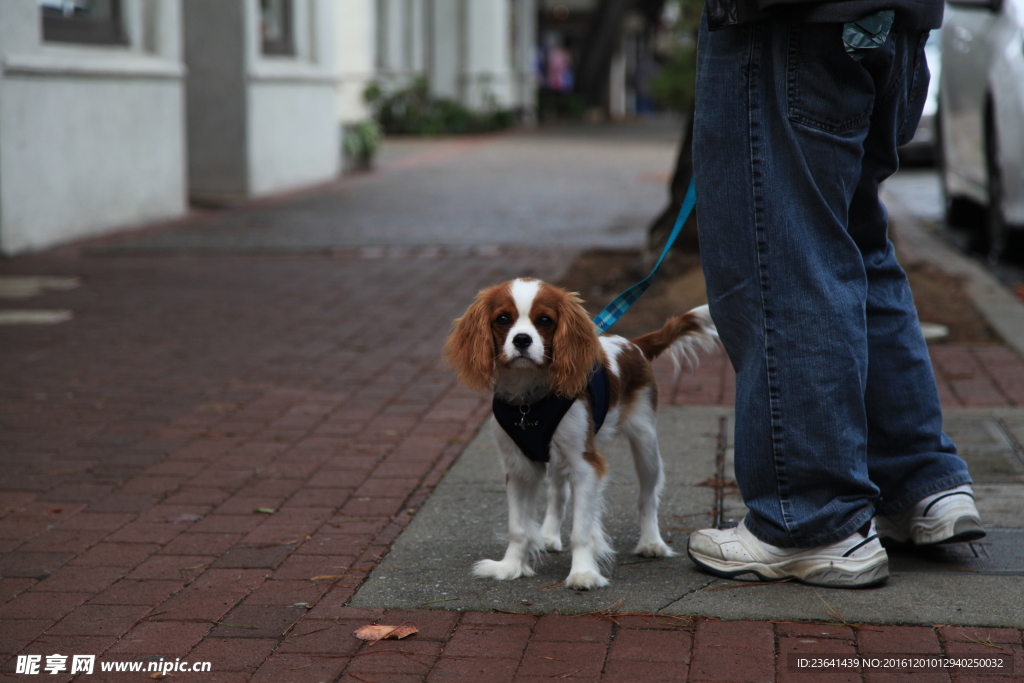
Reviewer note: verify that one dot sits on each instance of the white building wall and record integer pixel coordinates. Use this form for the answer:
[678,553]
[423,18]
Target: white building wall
[444,35]
[475,51]
[305,151]
[525,56]
[393,23]
[487,55]
[260,123]
[217,122]
[355,24]
[416,11]
[294,137]
[91,137]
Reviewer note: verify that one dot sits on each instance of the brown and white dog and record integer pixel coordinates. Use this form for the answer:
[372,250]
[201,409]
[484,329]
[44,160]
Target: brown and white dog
[528,341]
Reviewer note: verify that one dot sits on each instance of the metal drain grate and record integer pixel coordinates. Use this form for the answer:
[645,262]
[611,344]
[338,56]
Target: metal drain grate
[1001,552]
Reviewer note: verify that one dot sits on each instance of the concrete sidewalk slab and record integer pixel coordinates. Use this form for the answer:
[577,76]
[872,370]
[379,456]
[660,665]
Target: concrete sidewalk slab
[464,521]
[466,517]
[559,188]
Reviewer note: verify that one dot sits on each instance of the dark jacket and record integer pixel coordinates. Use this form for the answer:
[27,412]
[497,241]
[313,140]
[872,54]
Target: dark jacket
[912,14]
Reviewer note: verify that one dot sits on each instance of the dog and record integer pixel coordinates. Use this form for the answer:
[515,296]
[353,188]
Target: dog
[561,391]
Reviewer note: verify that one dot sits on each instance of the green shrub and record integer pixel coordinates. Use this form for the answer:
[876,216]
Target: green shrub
[560,106]
[673,86]
[413,111]
[360,141]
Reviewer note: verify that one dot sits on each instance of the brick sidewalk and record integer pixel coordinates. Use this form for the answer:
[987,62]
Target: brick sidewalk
[142,440]
[968,376]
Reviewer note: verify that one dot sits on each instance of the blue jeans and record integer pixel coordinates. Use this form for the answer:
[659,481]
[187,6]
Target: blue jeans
[837,413]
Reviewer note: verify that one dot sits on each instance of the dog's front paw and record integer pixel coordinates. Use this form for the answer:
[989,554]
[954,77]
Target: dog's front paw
[653,549]
[502,571]
[585,581]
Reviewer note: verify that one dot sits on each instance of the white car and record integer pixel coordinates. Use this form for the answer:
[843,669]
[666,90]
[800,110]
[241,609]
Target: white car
[921,148]
[981,116]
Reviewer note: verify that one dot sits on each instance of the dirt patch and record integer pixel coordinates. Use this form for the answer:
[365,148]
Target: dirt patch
[940,298]
[599,275]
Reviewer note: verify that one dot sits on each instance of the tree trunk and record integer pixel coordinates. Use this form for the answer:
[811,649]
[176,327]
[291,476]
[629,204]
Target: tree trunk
[661,227]
[601,42]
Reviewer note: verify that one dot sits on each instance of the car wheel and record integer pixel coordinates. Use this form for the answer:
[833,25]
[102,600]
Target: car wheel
[996,230]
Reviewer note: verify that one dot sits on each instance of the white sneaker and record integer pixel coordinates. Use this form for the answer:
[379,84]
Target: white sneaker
[855,562]
[944,517]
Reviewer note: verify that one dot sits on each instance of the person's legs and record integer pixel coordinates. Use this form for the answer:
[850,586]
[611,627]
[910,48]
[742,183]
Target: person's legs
[909,456]
[786,283]
[814,318]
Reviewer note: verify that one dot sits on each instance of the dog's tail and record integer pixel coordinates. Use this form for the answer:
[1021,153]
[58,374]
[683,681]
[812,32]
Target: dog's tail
[681,336]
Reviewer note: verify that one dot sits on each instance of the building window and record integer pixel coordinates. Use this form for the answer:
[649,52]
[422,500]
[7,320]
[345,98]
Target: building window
[276,27]
[97,22]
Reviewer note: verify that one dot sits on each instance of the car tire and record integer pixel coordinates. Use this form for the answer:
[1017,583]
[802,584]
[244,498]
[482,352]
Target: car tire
[959,212]
[996,228]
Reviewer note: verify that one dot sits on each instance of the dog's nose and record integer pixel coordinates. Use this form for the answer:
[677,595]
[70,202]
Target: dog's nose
[522,341]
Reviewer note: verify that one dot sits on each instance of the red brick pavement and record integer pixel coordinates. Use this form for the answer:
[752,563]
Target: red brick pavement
[968,375]
[142,440]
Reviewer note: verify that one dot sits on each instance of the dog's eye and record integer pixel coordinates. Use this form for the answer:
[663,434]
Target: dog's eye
[544,321]
[503,320]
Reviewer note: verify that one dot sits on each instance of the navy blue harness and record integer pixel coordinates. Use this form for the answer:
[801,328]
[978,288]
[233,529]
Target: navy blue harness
[533,426]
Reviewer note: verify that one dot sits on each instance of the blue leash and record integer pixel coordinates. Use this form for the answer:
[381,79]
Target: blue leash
[620,304]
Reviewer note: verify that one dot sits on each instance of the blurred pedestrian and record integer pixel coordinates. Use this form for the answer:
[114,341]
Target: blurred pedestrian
[800,109]
[645,72]
[559,68]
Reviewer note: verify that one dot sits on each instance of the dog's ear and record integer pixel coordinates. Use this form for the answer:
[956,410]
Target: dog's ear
[470,346]
[575,348]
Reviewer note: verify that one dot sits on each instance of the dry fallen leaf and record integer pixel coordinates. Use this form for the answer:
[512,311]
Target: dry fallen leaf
[328,577]
[375,632]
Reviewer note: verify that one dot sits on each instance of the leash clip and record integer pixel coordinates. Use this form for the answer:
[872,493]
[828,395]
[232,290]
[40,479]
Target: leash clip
[523,423]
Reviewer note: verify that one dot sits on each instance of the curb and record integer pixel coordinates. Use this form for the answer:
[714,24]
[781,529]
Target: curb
[1000,308]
